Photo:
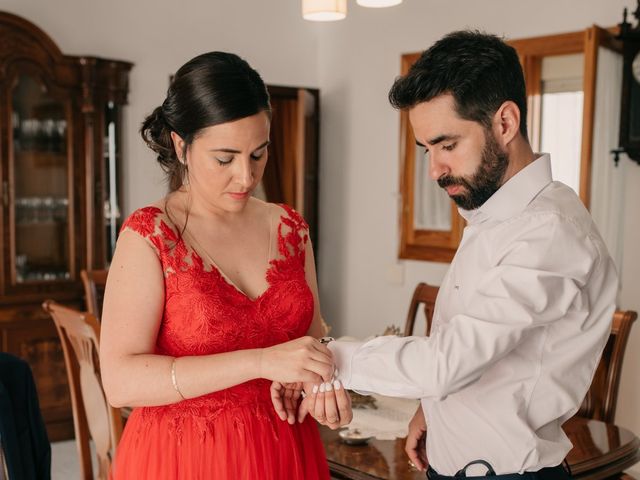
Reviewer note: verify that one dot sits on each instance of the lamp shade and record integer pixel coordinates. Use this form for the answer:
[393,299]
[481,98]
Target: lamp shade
[378,3]
[324,10]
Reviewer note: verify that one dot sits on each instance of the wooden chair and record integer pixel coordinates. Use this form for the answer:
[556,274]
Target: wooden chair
[92,416]
[94,282]
[602,397]
[425,295]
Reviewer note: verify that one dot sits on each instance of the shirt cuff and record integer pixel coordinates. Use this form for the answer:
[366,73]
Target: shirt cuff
[343,353]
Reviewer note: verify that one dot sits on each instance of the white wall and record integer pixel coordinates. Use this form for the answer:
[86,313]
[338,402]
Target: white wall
[358,60]
[354,63]
[158,37]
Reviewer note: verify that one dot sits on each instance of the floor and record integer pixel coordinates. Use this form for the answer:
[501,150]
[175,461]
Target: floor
[64,461]
[65,466]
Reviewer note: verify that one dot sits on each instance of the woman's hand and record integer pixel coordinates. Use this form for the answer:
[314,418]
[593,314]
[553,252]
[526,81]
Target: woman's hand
[415,445]
[328,403]
[304,359]
[284,397]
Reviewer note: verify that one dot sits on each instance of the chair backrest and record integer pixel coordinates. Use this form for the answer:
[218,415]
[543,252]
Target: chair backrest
[92,416]
[425,295]
[94,282]
[602,397]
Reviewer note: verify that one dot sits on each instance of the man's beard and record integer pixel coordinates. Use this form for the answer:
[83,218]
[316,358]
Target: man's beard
[486,180]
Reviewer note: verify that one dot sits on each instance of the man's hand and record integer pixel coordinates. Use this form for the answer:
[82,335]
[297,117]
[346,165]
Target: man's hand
[284,397]
[416,438]
[328,403]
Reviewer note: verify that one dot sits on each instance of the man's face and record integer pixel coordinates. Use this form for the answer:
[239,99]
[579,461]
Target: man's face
[464,157]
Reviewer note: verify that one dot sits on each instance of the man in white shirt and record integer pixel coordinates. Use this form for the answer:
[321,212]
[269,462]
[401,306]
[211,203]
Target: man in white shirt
[525,309]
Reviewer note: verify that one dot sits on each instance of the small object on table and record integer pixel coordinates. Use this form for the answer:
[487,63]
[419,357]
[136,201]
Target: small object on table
[392,330]
[362,401]
[353,436]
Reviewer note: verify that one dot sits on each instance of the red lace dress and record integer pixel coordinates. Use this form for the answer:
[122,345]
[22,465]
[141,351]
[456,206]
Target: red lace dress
[233,433]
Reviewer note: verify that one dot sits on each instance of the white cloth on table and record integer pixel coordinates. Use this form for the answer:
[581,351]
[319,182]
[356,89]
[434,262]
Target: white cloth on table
[387,422]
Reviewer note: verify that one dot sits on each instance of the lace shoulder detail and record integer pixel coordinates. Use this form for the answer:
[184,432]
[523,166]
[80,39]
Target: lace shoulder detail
[293,235]
[142,221]
[145,222]
[294,216]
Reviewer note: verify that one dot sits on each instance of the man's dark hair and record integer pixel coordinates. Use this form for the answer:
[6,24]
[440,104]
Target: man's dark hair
[480,70]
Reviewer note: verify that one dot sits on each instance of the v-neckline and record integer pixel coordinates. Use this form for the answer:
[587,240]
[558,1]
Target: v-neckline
[213,266]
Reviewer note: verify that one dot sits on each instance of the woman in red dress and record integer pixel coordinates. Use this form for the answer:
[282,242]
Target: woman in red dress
[212,296]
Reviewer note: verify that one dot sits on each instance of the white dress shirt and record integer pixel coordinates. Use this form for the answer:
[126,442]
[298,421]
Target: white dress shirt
[520,322]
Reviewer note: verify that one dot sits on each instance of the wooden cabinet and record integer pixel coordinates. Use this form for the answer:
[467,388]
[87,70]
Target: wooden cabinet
[291,175]
[59,175]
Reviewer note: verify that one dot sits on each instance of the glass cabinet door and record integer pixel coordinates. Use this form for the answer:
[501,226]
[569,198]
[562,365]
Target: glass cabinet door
[39,171]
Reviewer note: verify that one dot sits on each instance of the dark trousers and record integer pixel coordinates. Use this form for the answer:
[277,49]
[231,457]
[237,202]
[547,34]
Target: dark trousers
[549,473]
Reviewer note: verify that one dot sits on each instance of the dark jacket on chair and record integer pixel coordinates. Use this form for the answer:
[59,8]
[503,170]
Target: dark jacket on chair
[22,432]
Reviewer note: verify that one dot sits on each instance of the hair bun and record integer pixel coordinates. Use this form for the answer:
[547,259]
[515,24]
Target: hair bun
[210,89]
[156,133]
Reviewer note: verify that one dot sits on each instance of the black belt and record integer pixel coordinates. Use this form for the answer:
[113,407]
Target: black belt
[548,473]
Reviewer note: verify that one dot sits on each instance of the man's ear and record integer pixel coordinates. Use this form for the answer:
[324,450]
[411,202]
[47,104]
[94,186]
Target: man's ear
[178,144]
[506,123]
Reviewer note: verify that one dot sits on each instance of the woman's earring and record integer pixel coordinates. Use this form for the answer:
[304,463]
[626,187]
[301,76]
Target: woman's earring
[185,172]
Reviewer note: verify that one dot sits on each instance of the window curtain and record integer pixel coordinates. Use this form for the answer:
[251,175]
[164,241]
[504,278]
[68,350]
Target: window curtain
[607,180]
[431,204]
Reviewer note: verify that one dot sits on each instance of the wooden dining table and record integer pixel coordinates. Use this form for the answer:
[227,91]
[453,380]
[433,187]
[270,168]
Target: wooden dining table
[600,450]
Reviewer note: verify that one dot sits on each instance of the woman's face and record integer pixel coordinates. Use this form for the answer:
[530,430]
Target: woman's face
[226,162]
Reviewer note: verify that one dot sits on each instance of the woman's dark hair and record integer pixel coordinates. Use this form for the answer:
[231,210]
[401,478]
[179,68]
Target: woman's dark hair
[480,70]
[210,89]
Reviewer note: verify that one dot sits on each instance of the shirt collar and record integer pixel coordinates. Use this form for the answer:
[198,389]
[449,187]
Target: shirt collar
[512,197]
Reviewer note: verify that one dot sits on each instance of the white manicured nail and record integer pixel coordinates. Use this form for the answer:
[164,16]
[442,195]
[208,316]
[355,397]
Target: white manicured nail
[322,388]
[315,389]
[337,385]
[328,387]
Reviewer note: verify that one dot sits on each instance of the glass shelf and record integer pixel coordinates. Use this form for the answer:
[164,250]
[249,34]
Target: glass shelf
[41,210]
[40,178]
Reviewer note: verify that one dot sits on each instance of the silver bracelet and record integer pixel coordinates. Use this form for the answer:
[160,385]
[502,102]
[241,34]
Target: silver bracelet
[173,378]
